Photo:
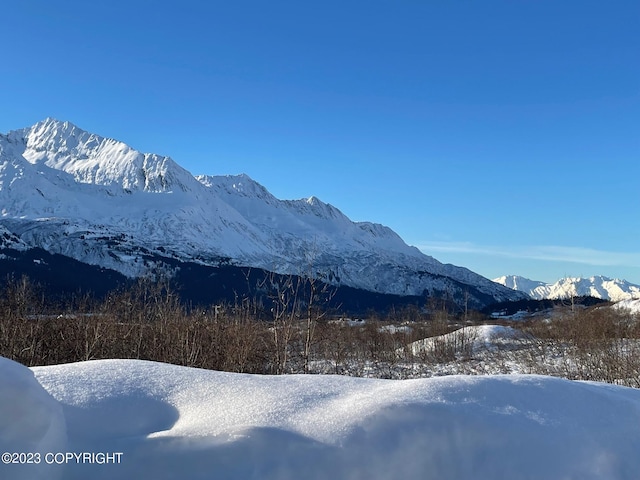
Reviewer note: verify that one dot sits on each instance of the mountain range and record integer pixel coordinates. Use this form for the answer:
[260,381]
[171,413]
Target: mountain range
[102,203]
[596,286]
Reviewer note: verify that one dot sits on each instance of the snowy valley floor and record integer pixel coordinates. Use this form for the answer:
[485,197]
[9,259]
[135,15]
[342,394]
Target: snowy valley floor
[167,422]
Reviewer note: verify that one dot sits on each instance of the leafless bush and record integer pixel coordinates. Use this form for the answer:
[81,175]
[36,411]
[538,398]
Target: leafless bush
[599,344]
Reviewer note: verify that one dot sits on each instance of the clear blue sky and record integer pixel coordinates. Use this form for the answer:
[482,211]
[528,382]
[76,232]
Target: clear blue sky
[503,136]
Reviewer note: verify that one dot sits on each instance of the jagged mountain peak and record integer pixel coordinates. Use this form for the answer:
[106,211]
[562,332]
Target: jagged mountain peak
[94,159]
[516,282]
[52,135]
[241,185]
[52,128]
[314,206]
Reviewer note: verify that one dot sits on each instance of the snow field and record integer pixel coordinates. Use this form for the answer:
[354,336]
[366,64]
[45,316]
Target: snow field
[178,422]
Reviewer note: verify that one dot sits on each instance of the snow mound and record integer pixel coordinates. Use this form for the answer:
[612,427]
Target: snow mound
[177,422]
[470,339]
[632,306]
[31,422]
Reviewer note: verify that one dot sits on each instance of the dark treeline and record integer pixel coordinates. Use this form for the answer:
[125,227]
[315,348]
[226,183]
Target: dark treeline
[62,279]
[287,329]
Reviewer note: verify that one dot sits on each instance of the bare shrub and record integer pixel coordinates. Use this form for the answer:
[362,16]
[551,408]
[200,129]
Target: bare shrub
[599,344]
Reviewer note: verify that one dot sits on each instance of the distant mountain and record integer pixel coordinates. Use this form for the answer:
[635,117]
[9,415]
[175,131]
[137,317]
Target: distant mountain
[101,202]
[519,283]
[597,286]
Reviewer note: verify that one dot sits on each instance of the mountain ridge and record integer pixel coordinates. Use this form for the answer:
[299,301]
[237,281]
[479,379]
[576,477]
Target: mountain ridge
[101,202]
[597,286]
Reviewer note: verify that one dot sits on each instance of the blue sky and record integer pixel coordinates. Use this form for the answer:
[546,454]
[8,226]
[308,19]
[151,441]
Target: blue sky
[498,135]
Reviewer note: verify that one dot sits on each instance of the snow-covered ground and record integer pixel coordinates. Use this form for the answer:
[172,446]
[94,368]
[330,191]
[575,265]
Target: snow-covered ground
[161,421]
[632,306]
[471,339]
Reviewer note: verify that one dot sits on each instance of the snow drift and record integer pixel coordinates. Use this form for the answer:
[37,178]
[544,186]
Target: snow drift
[31,421]
[472,339]
[177,422]
[631,306]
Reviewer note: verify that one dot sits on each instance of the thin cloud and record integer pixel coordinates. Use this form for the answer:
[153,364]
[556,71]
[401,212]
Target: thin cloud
[550,253]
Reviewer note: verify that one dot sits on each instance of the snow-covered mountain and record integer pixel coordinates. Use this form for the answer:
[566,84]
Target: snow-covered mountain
[518,283]
[101,202]
[596,286]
